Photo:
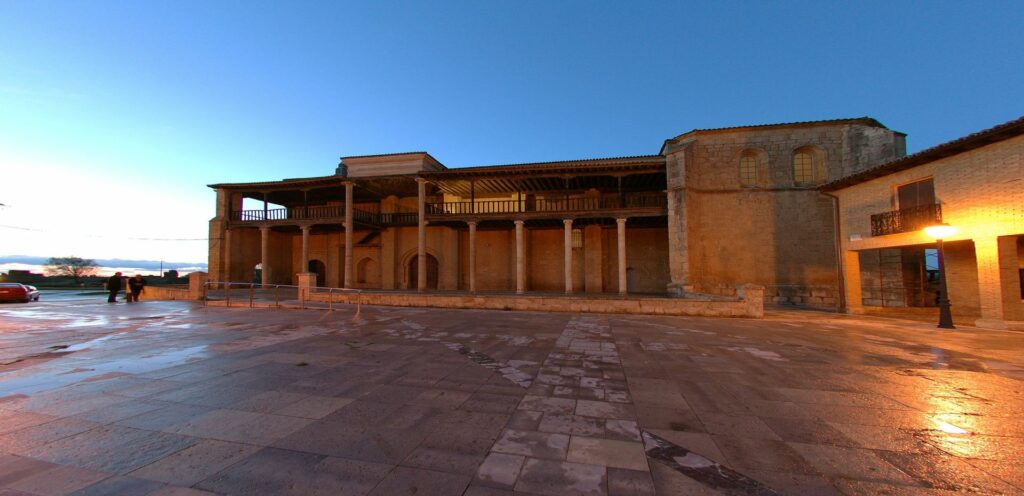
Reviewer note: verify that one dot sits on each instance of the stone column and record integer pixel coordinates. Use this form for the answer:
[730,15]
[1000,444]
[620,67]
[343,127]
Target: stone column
[990,284]
[306,282]
[226,271]
[197,285]
[567,247]
[472,256]
[678,239]
[305,249]
[349,228]
[421,238]
[520,259]
[265,255]
[621,229]
[853,292]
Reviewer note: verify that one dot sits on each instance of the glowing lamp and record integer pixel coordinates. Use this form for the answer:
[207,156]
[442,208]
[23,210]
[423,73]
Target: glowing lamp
[940,231]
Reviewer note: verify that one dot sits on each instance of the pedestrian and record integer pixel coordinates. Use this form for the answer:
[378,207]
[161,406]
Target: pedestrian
[136,285]
[114,286]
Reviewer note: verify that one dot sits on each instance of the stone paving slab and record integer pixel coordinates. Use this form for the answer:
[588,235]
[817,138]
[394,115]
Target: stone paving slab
[169,398]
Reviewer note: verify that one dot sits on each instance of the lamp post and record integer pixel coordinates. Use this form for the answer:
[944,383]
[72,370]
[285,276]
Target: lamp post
[940,231]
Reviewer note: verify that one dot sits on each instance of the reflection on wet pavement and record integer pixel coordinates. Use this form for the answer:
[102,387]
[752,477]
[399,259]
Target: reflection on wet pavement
[158,397]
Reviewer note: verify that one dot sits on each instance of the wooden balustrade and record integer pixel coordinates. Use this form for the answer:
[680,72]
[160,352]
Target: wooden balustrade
[527,205]
[485,207]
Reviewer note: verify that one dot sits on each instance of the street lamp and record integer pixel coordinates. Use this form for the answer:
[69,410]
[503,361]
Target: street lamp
[940,231]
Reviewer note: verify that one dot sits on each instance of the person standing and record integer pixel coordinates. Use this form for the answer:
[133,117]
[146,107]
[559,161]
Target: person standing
[114,286]
[136,285]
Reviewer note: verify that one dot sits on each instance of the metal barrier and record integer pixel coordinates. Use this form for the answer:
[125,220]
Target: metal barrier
[282,295]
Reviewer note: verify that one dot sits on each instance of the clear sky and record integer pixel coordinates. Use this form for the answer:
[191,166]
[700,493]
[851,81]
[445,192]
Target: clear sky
[115,115]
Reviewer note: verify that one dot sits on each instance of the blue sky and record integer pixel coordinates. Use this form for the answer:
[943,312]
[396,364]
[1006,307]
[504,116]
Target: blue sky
[117,114]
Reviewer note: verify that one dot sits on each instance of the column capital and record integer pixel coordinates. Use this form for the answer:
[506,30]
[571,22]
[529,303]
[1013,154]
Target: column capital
[471,223]
[422,180]
[264,228]
[305,227]
[620,220]
[348,183]
[567,222]
[518,222]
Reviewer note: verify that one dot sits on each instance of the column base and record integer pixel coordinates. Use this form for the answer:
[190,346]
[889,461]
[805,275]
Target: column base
[679,289]
[997,324]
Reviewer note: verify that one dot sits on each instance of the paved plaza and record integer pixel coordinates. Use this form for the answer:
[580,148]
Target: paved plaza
[171,398]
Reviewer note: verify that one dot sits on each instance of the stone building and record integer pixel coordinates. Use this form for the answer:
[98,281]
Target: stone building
[714,209]
[976,184]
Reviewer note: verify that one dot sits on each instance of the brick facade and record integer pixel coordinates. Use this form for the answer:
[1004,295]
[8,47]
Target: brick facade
[980,187]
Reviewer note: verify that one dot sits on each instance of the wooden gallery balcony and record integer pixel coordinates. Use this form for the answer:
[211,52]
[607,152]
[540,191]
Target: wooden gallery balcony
[332,214]
[577,189]
[647,204]
[906,219]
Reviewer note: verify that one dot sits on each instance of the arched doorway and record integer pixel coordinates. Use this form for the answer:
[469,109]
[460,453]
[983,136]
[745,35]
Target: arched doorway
[320,270]
[431,272]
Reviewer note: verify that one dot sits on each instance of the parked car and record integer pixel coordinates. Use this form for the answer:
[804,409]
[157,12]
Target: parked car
[12,291]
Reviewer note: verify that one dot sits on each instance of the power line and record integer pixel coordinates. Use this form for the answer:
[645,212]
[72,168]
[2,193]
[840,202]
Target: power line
[20,228]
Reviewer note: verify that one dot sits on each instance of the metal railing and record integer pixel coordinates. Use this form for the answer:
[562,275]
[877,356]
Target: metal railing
[253,295]
[905,219]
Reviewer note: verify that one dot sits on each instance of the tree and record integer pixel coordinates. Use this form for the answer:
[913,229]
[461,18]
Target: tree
[70,267]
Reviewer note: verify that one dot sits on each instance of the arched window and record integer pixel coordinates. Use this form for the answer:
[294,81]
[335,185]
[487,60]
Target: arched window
[753,172]
[809,166]
[803,168]
[748,171]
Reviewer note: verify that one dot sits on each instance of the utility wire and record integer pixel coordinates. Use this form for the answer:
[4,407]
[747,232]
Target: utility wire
[19,228]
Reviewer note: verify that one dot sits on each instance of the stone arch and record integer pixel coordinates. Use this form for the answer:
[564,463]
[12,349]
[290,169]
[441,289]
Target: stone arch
[367,273]
[410,268]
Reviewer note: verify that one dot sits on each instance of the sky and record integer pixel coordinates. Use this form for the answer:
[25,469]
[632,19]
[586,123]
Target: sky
[114,116]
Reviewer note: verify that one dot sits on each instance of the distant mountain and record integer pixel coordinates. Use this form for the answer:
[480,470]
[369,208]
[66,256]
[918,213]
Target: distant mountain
[111,262]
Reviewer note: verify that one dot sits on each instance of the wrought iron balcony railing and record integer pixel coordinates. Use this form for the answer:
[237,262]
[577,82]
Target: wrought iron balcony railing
[905,220]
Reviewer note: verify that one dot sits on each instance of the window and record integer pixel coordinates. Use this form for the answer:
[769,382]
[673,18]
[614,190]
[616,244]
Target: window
[809,166]
[915,194]
[803,168]
[577,238]
[748,171]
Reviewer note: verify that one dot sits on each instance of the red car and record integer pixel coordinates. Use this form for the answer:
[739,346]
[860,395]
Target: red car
[12,291]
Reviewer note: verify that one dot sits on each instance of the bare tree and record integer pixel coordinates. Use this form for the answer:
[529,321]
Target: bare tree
[70,267]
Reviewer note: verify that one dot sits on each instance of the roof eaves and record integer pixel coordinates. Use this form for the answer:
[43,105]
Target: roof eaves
[556,164]
[868,121]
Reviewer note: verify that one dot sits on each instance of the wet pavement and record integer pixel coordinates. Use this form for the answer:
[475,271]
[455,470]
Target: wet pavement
[170,398]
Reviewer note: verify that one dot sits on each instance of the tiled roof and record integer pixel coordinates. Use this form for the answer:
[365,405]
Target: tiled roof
[979,139]
[386,155]
[633,159]
[867,121]
[297,181]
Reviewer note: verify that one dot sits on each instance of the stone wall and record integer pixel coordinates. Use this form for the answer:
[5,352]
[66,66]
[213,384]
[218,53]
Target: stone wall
[776,233]
[750,303]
